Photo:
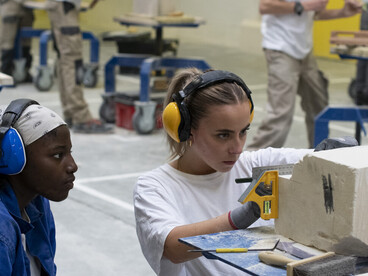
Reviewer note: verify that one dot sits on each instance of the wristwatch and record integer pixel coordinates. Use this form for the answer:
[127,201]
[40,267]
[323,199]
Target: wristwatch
[298,8]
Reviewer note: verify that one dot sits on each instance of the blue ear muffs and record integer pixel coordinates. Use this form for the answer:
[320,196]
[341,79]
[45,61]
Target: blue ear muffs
[13,155]
[12,151]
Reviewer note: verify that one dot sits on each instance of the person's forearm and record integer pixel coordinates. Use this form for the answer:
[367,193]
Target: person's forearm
[283,7]
[276,7]
[330,14]
[93,4]
[351,7]
[177,252]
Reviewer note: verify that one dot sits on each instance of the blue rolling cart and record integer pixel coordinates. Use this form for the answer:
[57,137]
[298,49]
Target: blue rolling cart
[358,114]
[144,119]
[44,77]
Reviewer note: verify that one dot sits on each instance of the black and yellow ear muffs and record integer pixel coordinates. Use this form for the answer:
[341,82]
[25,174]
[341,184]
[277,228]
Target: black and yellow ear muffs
[176,118]
[12,151]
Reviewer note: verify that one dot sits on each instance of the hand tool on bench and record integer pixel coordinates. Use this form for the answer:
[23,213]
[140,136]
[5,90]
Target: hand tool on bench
[325,264]
[292,249]
[257,247]
[264,188]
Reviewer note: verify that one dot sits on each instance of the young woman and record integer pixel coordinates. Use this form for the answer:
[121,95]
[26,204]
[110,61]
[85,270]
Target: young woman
[27,229]
[207,117]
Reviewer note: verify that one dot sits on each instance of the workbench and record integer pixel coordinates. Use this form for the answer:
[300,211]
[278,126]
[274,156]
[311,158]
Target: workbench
[158,25]
[347,45]
[357,114]
[246,262]
[249,262]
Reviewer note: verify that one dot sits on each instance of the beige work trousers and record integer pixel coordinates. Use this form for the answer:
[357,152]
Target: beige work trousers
[14,16]
[68,40]
[288,77]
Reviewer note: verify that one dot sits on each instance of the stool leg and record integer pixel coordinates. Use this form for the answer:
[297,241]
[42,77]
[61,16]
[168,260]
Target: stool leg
[358,130]
[358,101]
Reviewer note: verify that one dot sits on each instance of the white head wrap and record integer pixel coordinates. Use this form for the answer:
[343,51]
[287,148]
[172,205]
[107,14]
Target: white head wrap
[35,122]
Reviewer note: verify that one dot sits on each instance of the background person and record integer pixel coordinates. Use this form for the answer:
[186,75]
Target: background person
[292,69]
[14,16]
[194,193]
[64,18]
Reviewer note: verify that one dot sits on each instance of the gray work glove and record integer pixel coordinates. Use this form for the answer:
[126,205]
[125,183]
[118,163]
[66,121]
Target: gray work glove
[334,143]
[245,215]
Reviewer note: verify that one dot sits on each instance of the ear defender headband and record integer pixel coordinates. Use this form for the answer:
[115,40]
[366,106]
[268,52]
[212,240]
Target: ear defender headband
[176,118]
[12,151]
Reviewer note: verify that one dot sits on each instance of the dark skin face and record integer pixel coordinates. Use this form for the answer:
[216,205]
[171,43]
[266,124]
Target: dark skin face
[49,170]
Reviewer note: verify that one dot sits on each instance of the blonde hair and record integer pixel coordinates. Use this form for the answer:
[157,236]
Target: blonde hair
[224,93]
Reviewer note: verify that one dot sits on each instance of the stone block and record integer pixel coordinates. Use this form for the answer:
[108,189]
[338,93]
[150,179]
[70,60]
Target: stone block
[325,202]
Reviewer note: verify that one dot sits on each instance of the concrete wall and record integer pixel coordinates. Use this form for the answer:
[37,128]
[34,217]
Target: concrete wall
[234,23]
[100,19]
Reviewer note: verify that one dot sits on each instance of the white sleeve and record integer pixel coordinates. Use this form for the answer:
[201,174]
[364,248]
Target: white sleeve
[273,156]
[156,216]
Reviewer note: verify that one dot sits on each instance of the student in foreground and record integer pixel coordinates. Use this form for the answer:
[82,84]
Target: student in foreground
[206,117]
[36,166]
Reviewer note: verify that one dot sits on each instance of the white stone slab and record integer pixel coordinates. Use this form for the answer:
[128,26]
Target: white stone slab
[324,204]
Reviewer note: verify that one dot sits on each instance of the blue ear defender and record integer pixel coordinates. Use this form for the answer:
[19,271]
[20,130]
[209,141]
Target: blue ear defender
[13,155]
[12,150]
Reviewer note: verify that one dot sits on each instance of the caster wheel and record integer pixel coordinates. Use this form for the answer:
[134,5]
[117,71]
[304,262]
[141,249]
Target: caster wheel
[19,72]
[144,120]
[90,75]
[44,79]
[107,111]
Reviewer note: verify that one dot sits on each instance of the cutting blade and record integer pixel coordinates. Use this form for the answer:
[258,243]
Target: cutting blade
[263,245]
[290,248]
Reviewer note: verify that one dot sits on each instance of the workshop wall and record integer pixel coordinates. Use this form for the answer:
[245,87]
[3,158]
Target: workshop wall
[98,20]
[234,23]
[322,30]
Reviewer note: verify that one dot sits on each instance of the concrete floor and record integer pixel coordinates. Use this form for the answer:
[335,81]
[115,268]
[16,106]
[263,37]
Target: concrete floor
[95,225]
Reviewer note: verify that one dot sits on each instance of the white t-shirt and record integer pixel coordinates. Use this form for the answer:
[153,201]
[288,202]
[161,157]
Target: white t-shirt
[289,33]
[34,264]
[166,198]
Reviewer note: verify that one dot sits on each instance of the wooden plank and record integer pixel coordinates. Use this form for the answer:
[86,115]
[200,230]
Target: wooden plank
[350,38]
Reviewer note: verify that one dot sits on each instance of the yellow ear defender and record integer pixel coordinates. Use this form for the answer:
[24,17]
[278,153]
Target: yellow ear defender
[171,118]
[251,108]
[176,118]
